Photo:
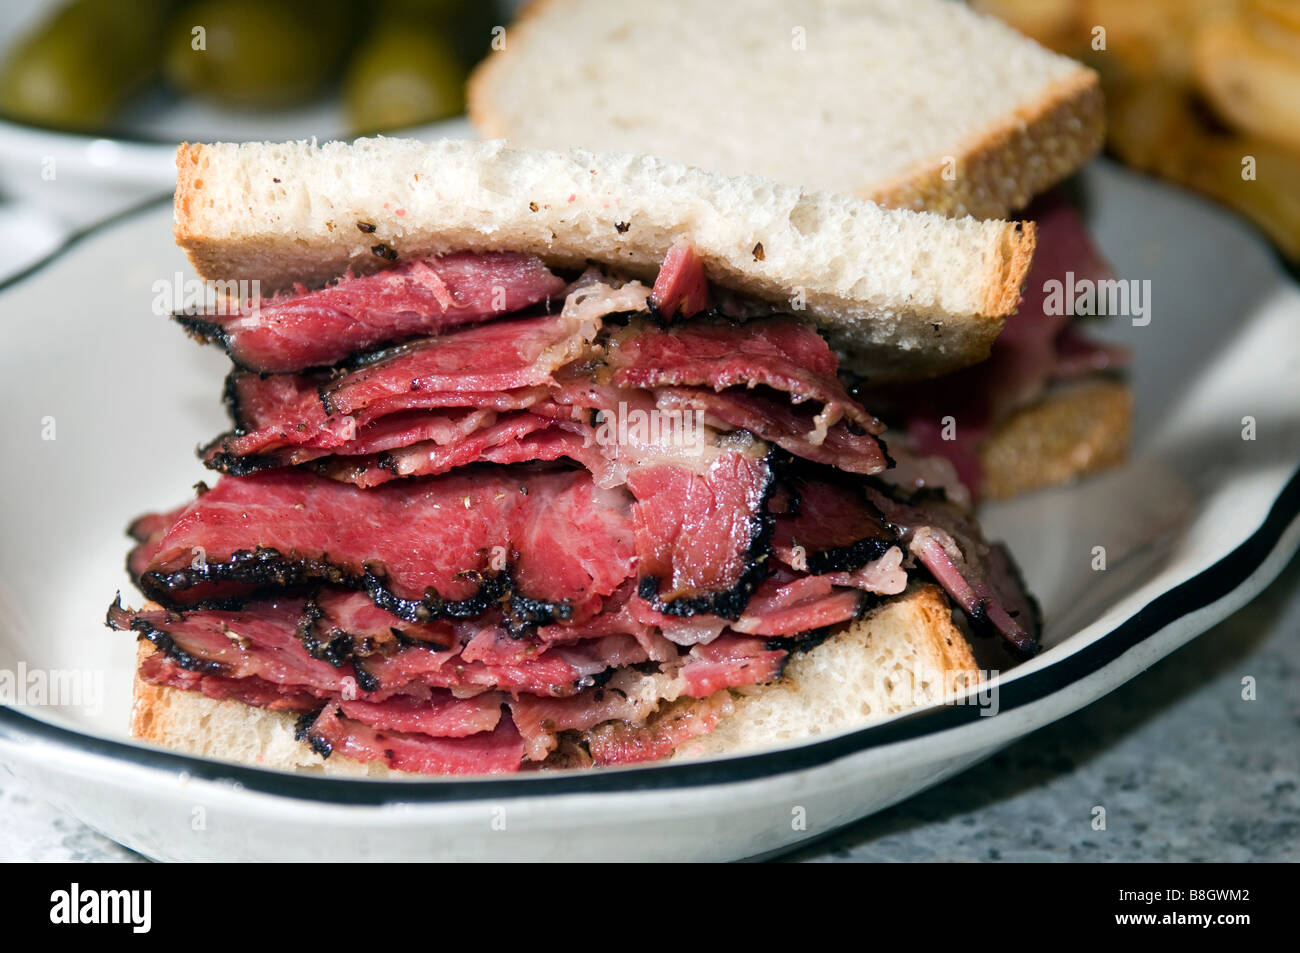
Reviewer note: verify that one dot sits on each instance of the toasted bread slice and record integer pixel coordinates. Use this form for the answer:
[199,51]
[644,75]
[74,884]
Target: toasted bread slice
[904,294]
[1074,430]
[228,730]
[906,654]
[910,103]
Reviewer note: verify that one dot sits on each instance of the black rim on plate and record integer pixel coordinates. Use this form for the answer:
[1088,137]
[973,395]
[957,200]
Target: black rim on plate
[1205,588]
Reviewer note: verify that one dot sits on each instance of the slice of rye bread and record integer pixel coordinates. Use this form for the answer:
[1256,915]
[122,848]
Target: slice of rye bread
[905,654]
[910,103]
[1075,429]
[904,294]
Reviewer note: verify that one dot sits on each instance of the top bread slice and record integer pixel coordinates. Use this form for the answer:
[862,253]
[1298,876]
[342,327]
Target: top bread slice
[903,294]
[909,103]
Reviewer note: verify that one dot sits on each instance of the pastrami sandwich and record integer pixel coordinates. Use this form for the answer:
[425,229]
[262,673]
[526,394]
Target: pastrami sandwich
[545,459]
[922,104]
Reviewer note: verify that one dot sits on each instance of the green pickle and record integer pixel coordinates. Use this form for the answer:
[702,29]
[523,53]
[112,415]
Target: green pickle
[402,75]
[258,53]
[78,68]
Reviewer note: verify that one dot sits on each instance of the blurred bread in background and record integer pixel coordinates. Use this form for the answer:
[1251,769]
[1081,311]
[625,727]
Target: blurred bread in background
[1205,94]
[909,103]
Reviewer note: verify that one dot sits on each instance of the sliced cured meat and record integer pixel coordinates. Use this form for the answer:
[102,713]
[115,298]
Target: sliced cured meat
[798,606]
[781,353]
[623,430]
[409,443]
[554,443]
[519,438]
[148,532]
[620,742]
[266,643]
[500,356]
[503,356]
[496,367]
[261,643]
[277,411]
[340,625]
[680,289]
[629,696]
[680,629]
[783,606]
[616,619]
[158,669]
[435,427]
[832,528]
[413,426]
[285,411]
[1025,356]
[530,670]
[491,752]
[980,577]
[1007,601]
[324,326]
[441,715]
[550,542]
[152,525]
[284,421]
[732,661]
[791,427]
[589,656]
[701,538]
[501,400]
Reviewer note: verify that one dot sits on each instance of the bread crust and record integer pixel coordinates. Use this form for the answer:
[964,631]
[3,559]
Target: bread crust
[1074,430]
[189,186]
[1016,254]
[191,722]
[146,701]
[991,177]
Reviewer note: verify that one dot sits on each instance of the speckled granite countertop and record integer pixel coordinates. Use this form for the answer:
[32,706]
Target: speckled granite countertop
[1186,769]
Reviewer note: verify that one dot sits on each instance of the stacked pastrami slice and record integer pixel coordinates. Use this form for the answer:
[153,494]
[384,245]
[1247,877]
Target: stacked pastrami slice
[474,517]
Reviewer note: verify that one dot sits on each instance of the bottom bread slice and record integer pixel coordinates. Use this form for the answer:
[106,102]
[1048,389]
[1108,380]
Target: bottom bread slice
[1074,430]
[229,730]
[905,654]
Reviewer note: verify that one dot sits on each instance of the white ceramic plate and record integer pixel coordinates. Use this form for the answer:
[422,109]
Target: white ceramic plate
[1197,523]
